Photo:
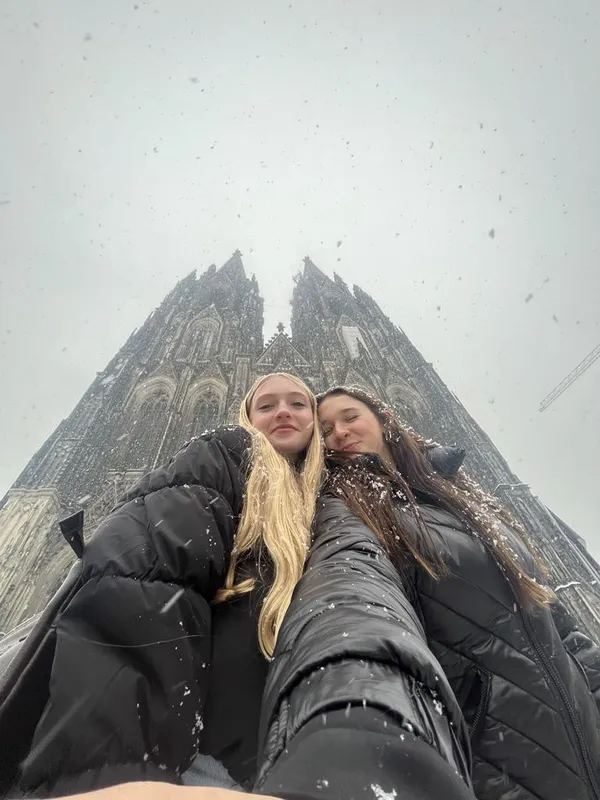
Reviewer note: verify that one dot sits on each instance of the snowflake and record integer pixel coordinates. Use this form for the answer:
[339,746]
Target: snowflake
[381,794]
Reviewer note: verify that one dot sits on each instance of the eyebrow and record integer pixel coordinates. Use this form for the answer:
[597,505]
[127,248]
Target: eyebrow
[350,408]
[343,411]
[269,395]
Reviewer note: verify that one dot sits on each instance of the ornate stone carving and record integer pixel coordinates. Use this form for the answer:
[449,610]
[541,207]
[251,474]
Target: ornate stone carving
[186,369]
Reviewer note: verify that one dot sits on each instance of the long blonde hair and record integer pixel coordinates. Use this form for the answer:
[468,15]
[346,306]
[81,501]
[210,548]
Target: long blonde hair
[279,506]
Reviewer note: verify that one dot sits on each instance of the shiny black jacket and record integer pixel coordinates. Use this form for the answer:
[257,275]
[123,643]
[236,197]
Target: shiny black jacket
[120,678]
[528,682]
[351,637]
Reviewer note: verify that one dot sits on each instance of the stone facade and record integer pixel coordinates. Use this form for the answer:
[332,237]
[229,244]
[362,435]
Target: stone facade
[188,367]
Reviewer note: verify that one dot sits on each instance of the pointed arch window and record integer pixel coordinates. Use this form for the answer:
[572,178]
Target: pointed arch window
[200,340]
[206,414]
[408,404]
[145,430]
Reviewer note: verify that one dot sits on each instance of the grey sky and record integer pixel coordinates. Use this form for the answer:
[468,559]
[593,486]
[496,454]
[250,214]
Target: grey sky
[141,140]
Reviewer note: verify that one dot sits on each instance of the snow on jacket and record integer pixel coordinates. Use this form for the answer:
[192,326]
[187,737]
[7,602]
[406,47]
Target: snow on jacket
[127,685]
[131,647]
[352,638]
[528,682]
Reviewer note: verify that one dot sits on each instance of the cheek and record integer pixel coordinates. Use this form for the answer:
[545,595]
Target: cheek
[259,421]
[376,433]
[307,426]
[329,441]
[304,419]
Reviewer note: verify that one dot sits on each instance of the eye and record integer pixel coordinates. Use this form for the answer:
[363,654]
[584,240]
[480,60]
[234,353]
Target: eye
[264,407]
[299,403]
[351,417]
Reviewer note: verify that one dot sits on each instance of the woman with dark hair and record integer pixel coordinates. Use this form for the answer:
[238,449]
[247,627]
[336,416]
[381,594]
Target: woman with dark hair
[526,679]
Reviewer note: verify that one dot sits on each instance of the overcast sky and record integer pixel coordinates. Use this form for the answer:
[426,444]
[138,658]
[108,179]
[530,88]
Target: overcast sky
[452,147]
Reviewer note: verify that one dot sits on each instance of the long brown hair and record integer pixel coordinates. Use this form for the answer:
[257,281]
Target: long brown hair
[279,505]
[413,478]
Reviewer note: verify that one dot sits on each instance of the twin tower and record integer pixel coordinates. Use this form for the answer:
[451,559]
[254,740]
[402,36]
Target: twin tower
[187,369]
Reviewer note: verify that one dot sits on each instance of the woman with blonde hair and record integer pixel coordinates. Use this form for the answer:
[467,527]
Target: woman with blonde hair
[184,583]
[223,634]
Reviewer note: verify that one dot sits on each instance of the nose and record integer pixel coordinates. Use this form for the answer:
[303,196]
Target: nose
[340,431]
[283,411]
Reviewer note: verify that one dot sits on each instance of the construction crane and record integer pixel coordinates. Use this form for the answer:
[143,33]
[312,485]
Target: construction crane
[571,378]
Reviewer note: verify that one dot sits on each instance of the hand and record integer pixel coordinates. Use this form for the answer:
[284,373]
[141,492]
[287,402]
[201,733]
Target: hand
[152,790]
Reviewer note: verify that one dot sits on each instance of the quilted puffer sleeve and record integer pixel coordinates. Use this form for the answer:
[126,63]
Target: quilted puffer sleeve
[351,638]
[128,680]
[580,646]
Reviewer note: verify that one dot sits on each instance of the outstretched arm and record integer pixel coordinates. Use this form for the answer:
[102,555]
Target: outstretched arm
[354,692]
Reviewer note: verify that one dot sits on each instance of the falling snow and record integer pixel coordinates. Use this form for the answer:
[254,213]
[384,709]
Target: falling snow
[170,603]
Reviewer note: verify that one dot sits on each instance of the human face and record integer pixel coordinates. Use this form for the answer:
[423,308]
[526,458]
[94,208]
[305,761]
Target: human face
[281,410]
[350,426]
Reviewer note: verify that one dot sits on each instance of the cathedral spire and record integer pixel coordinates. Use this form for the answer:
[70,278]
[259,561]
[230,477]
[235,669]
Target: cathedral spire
[188,367]
[339,281]
[363,296]
[311,270]
[234,268]
[181,287]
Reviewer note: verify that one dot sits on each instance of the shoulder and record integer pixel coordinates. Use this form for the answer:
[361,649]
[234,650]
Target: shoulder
[447,532]
[436,517]
[216,460]
[232,441]
[451,528]
[330,507]
[332,515]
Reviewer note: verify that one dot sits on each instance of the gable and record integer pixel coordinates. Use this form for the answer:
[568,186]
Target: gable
[213,370]
[354,378]
[279,351]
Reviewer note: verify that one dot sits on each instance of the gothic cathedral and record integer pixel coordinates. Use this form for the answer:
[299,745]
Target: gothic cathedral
[187,369]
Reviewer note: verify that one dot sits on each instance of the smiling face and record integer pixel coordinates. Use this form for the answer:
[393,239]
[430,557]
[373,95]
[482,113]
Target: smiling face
[350,426]
[282,411]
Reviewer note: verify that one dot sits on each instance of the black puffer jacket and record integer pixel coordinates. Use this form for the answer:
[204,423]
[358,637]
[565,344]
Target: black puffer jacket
[127,685]
[352,638]
[130,649]
[528,683]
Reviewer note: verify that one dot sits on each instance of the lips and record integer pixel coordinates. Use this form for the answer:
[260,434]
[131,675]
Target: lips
[283,428]
[349,448]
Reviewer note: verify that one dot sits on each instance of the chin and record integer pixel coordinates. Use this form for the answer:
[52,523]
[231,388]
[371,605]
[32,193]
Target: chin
[296,452]
[287,449]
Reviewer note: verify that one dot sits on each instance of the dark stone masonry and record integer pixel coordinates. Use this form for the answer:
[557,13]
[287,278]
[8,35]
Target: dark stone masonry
[187,368]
